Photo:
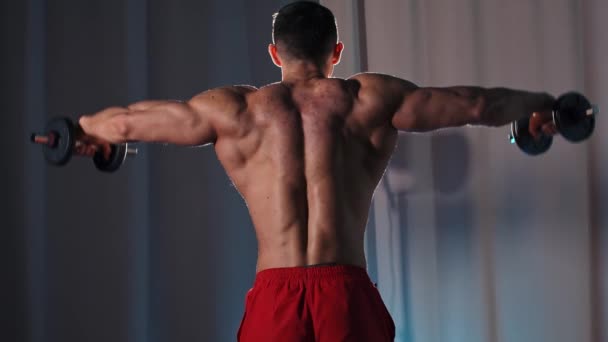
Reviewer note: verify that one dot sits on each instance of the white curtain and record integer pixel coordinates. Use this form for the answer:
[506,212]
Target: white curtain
[470,239]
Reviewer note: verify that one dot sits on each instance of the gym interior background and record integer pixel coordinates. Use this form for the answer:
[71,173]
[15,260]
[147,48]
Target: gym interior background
[469,239]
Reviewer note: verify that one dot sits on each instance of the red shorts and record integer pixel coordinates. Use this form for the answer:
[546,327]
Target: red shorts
[319,303]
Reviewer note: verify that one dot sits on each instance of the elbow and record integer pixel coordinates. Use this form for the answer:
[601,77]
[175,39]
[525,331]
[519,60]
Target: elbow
[477,111]
[476,116]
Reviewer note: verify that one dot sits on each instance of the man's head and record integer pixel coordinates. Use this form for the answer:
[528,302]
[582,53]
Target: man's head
[305,31]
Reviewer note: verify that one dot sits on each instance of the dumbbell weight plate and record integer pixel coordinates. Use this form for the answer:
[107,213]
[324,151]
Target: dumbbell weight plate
[60,152]
[525,141]
[571,117]
[117,156]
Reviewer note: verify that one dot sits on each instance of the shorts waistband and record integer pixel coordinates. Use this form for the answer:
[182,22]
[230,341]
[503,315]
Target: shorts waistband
[312,273]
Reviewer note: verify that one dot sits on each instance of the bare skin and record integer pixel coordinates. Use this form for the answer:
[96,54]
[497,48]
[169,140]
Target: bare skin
[307,153]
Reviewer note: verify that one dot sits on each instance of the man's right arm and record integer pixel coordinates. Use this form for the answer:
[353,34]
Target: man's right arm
[193,122]
[418,109]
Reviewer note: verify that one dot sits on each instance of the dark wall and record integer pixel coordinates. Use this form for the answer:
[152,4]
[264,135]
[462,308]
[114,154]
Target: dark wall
[12,259]
[162,250]
[86,245]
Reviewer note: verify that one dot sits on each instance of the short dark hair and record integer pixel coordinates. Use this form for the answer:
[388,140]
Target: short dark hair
[306,30]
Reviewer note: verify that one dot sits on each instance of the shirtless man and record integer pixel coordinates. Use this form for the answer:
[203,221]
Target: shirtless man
[306,154]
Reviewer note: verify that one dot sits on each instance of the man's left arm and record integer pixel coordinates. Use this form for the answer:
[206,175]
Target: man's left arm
[193,122]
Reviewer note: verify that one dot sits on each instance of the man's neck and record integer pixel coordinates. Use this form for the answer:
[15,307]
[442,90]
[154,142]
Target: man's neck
[301,71]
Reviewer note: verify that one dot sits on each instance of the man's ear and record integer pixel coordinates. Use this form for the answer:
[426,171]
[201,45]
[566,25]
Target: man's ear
[337,54]
[272,51]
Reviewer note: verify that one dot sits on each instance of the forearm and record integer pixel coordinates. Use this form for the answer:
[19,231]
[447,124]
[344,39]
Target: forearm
[114,125]
[502,106]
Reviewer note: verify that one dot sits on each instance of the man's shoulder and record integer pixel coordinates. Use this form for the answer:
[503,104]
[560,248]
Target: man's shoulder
[381,89]
[226,92]
[227,99]
[379,79]
[244,88]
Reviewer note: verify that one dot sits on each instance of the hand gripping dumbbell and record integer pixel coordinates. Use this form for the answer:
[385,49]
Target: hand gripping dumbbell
[573,116]
[59,141]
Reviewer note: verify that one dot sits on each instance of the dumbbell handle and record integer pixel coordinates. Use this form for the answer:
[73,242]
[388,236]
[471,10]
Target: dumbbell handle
[50,140]
[131,151]
[595,109]
[43,139]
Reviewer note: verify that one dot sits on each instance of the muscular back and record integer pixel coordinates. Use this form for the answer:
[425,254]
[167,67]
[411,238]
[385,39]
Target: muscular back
[307,155]
[306,158]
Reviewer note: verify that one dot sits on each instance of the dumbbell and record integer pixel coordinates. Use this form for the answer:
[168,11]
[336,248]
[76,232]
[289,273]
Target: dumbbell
[59,141]
[573,116]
